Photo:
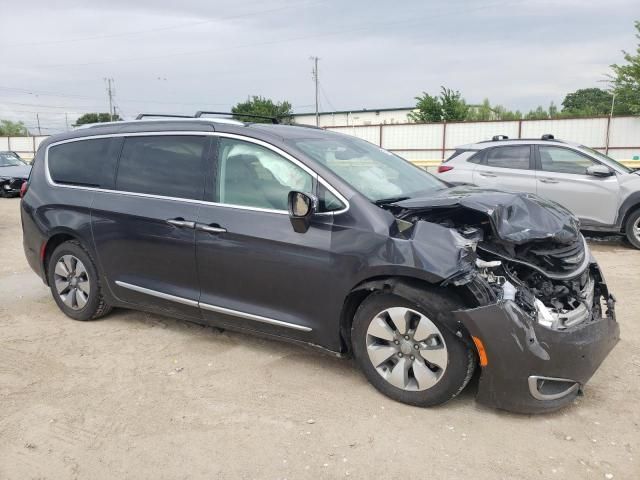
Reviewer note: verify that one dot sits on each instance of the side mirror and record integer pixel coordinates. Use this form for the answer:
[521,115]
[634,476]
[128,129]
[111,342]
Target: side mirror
[599,171]
[301,207]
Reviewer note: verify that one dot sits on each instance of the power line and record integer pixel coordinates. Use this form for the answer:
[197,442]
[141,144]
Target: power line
[326,97]
[64,95]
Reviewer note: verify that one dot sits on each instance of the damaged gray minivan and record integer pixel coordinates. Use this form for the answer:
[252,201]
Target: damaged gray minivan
[322,239]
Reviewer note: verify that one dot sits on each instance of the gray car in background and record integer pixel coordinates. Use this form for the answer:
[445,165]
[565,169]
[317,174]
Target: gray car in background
[602,193]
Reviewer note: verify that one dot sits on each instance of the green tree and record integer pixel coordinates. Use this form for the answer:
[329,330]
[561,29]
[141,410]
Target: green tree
[481,112]
[587,102]
[454,108]
[627,80]
[428,109]
[96,118]
[449,106]
[263,106]
[538,114]
[13,129]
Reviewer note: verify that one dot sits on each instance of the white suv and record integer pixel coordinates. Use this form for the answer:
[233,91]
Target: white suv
[602,193]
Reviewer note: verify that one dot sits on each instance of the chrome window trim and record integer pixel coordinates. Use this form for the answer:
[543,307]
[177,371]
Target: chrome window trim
[211,308]
[262,143]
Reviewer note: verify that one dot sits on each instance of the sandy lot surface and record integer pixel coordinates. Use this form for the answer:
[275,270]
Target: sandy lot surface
[143,396]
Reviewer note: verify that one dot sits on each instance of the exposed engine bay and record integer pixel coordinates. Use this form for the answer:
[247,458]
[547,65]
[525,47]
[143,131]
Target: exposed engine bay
[524,248]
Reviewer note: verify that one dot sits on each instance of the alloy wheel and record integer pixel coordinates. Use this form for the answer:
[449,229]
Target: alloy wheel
[407,349]
[636,229]
[72,282]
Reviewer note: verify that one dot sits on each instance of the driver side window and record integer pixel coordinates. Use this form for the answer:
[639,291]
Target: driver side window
[254,176]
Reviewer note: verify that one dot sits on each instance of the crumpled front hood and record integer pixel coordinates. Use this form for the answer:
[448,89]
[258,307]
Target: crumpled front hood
[516,218]
[19,171]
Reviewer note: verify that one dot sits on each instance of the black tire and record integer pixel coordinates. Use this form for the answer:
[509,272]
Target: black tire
[95,306]
[461,360]
[633,235]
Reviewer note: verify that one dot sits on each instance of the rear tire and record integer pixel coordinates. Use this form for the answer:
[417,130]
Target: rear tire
[424,365]
[74,282]
[632,229]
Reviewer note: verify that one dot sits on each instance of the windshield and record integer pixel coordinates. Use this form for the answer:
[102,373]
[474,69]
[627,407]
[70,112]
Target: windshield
[376,173]
[605,158]
[10,159]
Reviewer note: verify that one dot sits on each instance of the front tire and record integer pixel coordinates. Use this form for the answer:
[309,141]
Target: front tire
[632,229]
[74,282]
[406,353]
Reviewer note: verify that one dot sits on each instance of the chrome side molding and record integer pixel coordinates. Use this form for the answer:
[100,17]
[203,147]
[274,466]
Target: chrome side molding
[155,293]
[212,308]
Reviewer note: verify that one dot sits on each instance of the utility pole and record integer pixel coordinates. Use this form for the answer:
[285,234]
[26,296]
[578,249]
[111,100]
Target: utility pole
[38,120]
[110,94]
[66,120]
[314,73]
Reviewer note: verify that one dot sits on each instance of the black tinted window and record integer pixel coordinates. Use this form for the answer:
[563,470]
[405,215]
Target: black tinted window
[83,162]
[516,156]
[166,165]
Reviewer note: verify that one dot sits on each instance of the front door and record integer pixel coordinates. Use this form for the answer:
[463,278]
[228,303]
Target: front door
[506,168]
[145,230]
[255,271]
[562,177]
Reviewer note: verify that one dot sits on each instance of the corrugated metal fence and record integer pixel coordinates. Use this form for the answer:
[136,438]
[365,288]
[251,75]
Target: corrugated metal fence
[430,142]
[436,141]
[24,146]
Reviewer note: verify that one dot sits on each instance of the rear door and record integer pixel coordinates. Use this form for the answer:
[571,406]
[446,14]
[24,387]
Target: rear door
[562,177]
[144,231]
[508,167]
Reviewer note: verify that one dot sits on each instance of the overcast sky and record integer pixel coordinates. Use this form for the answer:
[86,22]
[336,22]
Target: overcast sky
[180,56]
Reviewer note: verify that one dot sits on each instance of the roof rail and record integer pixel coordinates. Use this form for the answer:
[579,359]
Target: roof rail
[547,136]
[273,120]
[497,138]
[155,115]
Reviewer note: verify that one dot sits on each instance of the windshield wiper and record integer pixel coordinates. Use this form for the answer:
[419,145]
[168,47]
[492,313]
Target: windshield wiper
[387,201]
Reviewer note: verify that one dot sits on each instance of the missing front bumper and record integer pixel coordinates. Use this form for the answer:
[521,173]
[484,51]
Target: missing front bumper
[518,348]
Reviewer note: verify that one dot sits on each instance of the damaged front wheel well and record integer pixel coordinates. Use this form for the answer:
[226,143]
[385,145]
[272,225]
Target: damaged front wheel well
[411,289]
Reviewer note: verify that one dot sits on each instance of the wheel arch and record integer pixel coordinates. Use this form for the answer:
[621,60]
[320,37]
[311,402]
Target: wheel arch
[50,244]
[410,288]
[630,205]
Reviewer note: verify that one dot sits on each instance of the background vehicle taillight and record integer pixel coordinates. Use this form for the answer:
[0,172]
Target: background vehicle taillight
[444,168]
[23,188]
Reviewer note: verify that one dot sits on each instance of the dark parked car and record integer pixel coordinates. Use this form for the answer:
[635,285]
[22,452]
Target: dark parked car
[13,173]
[322,239]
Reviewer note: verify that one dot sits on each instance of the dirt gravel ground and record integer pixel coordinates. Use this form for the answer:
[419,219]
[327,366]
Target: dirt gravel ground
[143,396]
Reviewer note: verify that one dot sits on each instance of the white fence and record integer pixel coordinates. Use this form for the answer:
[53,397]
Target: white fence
[435,141]
[24,146]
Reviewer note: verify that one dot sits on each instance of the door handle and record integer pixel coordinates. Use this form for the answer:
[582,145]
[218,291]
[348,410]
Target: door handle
[485,174]
[210,228]
[548,180]
[182,223]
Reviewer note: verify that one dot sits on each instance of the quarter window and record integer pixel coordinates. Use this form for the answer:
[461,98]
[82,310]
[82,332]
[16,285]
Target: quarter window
[516,156]
[563,160]
[167,165]
[83,162]
[254,176]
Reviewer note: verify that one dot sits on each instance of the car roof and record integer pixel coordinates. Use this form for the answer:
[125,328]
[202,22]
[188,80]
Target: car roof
[223,125]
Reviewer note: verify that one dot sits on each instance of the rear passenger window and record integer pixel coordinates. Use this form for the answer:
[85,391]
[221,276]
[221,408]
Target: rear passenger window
[516,156]
[167,165]
[83,162]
